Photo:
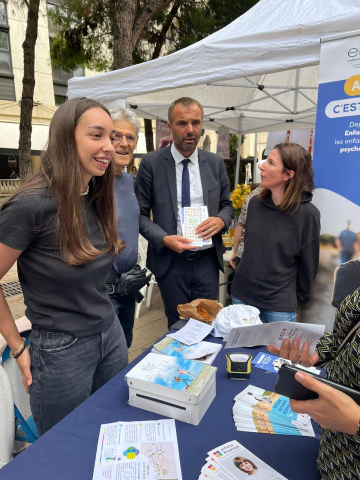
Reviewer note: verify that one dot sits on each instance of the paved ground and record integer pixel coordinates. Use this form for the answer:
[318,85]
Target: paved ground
[149,327]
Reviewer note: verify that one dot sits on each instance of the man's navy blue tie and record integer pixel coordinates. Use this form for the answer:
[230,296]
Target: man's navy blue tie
[185,190]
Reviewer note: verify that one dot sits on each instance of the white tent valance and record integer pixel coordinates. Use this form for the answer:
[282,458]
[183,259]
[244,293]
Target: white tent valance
[257,74]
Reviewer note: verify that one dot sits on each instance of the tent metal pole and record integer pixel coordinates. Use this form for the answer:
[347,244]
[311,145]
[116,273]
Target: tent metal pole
[255,158]
[237,169]
[265,97]
[307,98]
[271,96]
[340,35]
[296,96]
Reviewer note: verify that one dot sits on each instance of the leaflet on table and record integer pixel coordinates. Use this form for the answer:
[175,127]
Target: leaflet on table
[204,352]
[274,333]
[138,451]
[264,400]
[225,458]
[272,363]
[191,217]
[207,359]
[193,332]
[176,373]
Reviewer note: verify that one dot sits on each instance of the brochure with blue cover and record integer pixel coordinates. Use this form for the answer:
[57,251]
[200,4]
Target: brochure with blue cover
[272,363]
[172,372]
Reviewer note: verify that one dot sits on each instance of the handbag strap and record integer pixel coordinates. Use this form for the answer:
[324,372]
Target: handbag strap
[347,338]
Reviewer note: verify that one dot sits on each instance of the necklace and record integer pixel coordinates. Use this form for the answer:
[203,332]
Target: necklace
[86,191]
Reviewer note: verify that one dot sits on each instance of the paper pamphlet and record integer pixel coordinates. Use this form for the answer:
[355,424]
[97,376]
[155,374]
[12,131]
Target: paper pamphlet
[204,352]
[262,411]
[272,363]
[191,217]
[193,332]
[264,400]
[274,334]
[224,463]
[176,373]
[138,451]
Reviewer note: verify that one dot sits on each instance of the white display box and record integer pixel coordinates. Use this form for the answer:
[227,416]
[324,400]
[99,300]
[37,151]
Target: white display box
[182,406]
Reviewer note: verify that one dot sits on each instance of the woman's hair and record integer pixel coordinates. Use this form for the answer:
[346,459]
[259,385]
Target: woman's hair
[132,168]
[60,173]
[296,158]
[238,462]
[122,113]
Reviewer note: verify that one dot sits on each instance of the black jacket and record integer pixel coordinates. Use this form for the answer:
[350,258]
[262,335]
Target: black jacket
[155,188]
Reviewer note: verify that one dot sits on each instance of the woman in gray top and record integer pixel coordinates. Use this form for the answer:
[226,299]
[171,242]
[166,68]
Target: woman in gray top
[60,228]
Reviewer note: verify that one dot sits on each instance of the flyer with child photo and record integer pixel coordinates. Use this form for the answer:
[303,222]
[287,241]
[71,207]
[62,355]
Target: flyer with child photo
[235,462]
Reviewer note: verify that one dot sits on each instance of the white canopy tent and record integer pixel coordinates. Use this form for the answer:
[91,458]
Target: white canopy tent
[257,74]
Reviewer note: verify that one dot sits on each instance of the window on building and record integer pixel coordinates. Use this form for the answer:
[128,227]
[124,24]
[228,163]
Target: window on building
[60,76]
[7,89]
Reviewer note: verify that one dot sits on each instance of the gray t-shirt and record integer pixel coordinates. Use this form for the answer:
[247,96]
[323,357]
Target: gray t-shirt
[58,296]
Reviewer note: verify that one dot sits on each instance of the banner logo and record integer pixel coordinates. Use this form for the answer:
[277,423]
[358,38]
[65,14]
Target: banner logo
[352,86]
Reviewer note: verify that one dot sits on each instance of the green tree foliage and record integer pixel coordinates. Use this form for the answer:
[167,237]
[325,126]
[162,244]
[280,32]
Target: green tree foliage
[85,36]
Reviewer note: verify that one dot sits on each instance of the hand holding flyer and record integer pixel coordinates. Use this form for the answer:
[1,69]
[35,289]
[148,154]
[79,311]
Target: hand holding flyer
[192,217]
[274,334]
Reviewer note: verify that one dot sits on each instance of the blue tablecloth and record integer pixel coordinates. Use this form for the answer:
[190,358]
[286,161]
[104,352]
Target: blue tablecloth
[68,450]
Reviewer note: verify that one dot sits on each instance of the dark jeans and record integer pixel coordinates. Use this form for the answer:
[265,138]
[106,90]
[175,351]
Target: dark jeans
[125,311]
[66,370]
[186,280]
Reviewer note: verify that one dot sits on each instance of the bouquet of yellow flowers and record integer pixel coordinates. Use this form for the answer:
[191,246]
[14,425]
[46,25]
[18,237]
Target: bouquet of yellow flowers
[239,194]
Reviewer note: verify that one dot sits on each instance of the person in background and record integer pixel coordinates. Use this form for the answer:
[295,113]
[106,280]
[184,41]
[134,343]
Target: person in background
[238,247]
[127,127]
[347,243]
[179,176]
[60,228]
[281,247]
[338,351]
[134,170]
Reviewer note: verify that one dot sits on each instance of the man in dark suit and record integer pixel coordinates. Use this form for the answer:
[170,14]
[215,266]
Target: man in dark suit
[176,177]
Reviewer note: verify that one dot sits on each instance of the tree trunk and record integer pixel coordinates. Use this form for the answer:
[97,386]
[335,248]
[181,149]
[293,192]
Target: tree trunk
[27,100]
[149,137]
[125,11]
[129,22]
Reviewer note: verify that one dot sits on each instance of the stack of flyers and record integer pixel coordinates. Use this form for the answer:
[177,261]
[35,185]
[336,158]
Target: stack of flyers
[204,352]
[272,363]
[261,411]
[191,217]
[232,461]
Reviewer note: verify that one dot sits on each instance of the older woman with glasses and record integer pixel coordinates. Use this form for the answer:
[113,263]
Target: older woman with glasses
[127,127]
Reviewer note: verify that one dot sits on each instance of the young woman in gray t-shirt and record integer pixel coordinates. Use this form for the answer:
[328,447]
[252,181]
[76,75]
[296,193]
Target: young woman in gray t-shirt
[60,228]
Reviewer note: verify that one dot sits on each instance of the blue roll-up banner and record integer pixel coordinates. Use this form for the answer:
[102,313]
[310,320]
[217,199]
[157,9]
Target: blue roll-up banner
[336,167]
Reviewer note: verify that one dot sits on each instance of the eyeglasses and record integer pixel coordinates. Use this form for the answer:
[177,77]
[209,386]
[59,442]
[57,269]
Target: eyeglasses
[116,138]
